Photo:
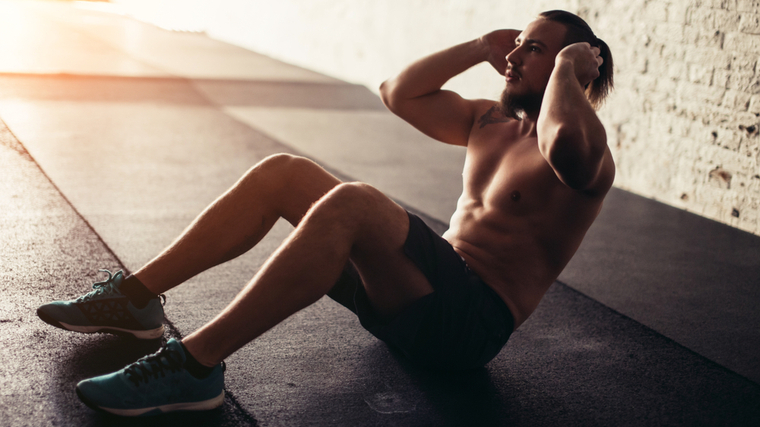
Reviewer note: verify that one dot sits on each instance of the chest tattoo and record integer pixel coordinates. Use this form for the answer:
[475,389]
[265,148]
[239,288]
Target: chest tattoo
[488,118]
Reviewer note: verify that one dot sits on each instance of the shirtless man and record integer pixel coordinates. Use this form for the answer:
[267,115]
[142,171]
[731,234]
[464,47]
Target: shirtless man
[536,172]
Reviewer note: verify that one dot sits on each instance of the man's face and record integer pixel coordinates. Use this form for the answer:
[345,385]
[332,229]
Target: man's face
[530,64]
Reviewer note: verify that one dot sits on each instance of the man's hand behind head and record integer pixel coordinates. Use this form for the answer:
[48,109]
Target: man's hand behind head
[585,59]
[500,43]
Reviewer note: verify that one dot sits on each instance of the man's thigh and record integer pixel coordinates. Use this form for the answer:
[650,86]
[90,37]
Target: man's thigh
[391,280]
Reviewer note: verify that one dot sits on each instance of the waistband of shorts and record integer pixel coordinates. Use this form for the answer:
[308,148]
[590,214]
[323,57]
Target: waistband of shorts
[503,307]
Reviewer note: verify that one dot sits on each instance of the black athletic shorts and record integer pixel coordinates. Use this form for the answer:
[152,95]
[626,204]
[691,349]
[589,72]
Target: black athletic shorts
[463,324]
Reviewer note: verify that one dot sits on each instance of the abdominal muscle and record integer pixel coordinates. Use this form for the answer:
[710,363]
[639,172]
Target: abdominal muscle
[510,255]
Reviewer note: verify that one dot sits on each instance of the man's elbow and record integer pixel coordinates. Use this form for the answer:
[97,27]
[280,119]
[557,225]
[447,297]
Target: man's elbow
[386,94]
[581,180]
[394,96]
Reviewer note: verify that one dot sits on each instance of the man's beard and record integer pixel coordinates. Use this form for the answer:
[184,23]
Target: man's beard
[516,106]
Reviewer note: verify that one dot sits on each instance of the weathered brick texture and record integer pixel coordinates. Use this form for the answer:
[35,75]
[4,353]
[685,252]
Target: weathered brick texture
[683,124]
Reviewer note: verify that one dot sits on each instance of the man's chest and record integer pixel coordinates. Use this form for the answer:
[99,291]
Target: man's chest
[509,174]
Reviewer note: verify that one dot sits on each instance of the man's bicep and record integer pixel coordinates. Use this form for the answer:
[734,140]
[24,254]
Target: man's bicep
[442,115]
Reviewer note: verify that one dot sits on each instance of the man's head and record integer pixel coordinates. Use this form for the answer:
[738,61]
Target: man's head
[532,61]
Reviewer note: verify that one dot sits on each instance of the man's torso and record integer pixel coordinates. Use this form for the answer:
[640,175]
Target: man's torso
[516,224]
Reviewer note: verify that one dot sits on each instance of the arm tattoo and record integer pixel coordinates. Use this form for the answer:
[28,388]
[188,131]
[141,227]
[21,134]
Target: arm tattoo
[487,118]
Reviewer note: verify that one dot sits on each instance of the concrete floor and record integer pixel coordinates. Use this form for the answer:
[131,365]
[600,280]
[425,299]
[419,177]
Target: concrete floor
[116,134]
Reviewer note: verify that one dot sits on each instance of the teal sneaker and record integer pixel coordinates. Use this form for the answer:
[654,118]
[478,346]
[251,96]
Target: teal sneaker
[106,310]
[153,385]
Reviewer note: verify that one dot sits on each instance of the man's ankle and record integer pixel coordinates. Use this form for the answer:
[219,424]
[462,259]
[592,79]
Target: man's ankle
[193,366]
[136,292]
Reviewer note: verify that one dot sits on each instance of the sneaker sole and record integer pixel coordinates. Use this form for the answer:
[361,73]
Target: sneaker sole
[204,405]
[149,334]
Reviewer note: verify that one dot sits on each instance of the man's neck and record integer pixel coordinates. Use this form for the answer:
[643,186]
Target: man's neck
[527,124]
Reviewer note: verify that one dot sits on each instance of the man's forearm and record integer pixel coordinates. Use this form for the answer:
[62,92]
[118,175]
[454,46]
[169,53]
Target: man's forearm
[565,102]
[415,94]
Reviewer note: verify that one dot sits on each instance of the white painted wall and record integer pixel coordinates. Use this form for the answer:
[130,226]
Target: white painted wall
[359,41]
[682,123]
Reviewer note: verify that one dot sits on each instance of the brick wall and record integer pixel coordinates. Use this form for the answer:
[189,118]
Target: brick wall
[683,122]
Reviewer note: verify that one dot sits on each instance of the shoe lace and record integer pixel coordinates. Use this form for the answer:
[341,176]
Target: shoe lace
[154,366]
[105,287]
[108,287]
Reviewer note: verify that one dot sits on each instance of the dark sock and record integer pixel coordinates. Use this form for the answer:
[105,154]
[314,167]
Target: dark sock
[136,292]
[193,366]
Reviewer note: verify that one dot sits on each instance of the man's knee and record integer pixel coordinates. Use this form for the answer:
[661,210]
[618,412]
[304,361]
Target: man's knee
[278,172]
[353,196]
[282,164]
[350,203]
